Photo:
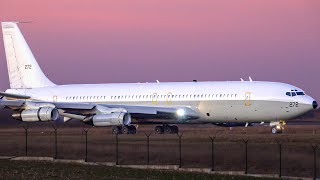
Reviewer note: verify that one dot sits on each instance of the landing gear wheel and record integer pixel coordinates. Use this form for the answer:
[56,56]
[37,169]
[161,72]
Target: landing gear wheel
[158,130]
[276,129]
[132,129]
[175,129]
[116,130]
[125,130]
[168,129]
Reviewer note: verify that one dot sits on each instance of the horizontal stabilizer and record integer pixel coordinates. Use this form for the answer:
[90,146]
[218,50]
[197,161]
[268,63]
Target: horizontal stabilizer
[17,96]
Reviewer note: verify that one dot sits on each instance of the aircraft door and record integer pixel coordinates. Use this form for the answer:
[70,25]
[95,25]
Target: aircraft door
[247,100]
[55,98]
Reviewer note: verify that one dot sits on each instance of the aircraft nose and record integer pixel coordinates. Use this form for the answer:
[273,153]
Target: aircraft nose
[314,104]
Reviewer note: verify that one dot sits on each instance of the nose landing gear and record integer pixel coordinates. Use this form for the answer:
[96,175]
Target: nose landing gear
[277,128]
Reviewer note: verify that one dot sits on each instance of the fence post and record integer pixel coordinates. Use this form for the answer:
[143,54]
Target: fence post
[246,155]
[26,127]
[314,147]
[86,133]
[55,142]
[180,150]
[212,152]
[148,147]
[280,154]
[117,149]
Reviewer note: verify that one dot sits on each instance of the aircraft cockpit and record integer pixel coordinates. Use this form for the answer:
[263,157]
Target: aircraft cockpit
[295,93]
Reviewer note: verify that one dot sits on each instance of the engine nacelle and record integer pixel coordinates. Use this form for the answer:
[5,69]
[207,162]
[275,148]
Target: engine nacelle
[112,119]
[40,114]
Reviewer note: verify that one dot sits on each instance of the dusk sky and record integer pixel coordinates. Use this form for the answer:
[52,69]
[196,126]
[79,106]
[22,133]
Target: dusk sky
[101,41]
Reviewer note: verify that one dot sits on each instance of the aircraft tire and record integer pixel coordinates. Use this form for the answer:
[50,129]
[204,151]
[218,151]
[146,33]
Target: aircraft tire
[125,130]
[168,129]
[132,129]
[275,130]
[116,130]
[158,130]
[175,129]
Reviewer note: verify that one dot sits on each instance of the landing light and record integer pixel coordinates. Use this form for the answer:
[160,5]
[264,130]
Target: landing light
[180,112]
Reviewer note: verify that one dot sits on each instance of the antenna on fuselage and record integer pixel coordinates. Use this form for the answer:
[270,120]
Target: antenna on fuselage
[250,79]
[158,81]
[241,80]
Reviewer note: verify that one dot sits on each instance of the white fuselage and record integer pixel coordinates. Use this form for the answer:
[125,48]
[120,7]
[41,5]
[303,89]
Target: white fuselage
[215,101]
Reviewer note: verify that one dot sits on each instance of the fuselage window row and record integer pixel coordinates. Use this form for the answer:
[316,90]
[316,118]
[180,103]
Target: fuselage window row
[153,97]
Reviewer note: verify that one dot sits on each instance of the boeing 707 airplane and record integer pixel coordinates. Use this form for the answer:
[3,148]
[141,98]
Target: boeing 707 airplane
[33,97]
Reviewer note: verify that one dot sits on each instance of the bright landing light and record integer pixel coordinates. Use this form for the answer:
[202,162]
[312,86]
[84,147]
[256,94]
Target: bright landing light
[180,112]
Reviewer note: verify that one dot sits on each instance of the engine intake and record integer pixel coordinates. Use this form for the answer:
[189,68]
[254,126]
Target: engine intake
[40,114]
[112,119]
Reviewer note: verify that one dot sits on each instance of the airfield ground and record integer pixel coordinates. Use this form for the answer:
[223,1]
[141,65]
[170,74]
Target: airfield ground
[229,148]
[49,170]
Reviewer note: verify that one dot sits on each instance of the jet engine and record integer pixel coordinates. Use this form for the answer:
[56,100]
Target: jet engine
[40,114]
[112,119]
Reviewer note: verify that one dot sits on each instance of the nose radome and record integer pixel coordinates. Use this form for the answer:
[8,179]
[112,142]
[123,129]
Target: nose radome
[314,104]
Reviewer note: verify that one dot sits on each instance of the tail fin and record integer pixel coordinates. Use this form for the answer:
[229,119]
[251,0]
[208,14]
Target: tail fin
[23,69]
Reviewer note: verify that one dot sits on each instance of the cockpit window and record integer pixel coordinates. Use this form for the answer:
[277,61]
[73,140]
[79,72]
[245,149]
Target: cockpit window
[295,93]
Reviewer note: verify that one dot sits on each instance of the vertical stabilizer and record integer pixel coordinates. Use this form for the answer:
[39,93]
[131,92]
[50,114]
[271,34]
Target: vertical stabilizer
[23,69]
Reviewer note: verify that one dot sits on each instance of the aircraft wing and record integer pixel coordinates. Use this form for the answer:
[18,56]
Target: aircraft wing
[83,111]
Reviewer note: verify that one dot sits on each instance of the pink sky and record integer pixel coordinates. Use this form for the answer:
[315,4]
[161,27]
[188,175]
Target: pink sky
[178,40]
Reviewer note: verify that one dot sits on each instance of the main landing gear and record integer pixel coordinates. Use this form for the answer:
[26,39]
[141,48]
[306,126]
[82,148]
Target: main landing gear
[124,129]
[166,129]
